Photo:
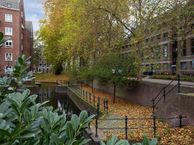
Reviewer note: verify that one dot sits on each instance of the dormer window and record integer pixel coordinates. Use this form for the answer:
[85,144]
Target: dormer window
[8,5]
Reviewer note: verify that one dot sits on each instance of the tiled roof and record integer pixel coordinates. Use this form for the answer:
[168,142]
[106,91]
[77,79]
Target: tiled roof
[10,3]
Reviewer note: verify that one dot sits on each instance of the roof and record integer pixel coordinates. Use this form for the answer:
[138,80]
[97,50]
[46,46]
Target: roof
[15,4]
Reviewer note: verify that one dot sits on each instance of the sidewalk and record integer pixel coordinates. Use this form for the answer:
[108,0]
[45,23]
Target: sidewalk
[165,82]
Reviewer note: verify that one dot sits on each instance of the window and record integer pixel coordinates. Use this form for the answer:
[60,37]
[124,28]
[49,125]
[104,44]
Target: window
[165,36]
[8,18]
[184,52]
[9,43]
[165,50]
[183,65]
[7,69]
[192,46]
[9,5]
[192,64]
[8,31]
[8,57]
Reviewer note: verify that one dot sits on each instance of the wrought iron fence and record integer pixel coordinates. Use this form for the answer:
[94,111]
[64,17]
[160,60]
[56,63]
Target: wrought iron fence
[99,103]
[126,128]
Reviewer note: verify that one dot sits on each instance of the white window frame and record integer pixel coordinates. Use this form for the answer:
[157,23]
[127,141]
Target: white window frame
[8,18]
[7,55]
[165,49]
[192,64]
[8,42]
[7,69]
[9,31]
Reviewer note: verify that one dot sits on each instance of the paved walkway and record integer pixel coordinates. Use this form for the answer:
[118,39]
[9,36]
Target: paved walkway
[165,82]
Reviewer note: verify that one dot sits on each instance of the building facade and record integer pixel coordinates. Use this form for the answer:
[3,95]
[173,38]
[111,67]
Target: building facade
[28,39]
[42,67]
[13,25]
[165,42]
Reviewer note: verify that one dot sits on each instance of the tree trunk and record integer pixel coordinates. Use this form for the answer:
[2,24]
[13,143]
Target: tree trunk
[114,92]
[178,65]
[92,86]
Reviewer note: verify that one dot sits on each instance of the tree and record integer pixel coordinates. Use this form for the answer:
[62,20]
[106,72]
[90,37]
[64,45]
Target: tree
[37,52]
[179,20]
[81,35]
[138,21]
[112,68]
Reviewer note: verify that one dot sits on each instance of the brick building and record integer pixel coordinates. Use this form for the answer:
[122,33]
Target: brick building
[28,39]
[166,42]
[13,25]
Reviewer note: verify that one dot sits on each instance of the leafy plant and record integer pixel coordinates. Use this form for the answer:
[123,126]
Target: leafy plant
[115,141]
[16,77]
[25,122]
[2,40]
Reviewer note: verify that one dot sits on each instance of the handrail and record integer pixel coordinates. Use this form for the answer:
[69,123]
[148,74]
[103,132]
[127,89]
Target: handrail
[163,93]
[158,94]
[171,89]
[169,83]
[163,89]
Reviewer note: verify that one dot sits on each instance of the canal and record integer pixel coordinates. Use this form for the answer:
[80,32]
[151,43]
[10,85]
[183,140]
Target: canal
[60,101]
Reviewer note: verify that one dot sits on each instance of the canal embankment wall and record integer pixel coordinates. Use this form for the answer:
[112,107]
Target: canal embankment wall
[143,93]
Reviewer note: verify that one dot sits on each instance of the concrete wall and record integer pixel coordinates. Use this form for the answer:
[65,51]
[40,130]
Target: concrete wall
[82,105]
[144,92]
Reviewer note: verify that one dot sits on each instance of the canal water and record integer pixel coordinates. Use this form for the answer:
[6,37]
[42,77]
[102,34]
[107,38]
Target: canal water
[59,101]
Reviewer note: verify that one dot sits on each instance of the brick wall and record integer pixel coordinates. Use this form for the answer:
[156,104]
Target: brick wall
[16,37]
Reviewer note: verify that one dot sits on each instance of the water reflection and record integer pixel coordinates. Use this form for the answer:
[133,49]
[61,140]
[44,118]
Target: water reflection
[61,102]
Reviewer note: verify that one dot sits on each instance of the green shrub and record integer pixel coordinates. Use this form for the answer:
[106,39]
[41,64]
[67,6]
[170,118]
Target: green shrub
[173,77]
[2,40]
[115,141]
[58,68]
[25,122]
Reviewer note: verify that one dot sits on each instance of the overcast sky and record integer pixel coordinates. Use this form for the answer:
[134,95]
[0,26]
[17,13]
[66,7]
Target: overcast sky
[34,12]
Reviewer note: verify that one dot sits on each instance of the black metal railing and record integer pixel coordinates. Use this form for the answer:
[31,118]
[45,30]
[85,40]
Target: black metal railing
[99,103]
[126,127]
[164,92]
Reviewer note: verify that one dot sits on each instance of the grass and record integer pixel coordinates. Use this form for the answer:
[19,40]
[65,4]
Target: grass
[50,77]
[173,77]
